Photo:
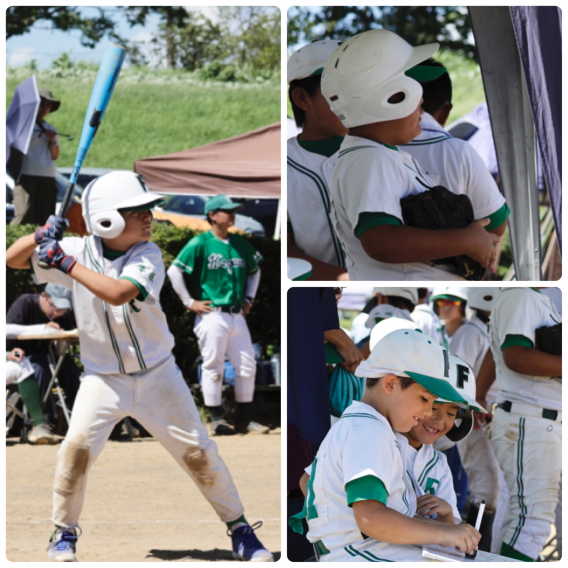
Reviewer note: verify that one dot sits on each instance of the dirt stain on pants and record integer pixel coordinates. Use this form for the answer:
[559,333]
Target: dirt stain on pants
[198,464]
[72,464]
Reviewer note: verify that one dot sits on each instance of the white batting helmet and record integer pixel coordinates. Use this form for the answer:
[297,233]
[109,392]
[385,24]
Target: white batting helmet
[106,195]
[366,71]
[482,298]
[383,328]
[449,292]
[309,60]
[408,293]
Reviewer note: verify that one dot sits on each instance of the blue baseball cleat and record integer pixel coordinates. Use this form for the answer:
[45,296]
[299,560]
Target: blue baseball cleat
[246,545]
[63,543]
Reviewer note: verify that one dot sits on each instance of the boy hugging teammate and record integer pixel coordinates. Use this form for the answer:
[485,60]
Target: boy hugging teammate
[115,276]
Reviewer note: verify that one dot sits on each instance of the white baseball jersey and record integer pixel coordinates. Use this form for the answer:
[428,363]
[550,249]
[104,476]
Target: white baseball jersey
[369,181]
[430,324]
[385,311]
[362,443]
[429,472]
[116,339]
[454,164]
[518,312]
[309,179]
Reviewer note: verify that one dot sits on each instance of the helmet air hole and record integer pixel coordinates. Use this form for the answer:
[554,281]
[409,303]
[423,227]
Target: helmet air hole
[337,62]
[106,224]
[488,298]
[397,98]
[334,98]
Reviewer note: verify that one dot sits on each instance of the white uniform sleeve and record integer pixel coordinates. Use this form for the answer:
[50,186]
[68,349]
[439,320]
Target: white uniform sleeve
[468,344]
[253,281]
[517,314]
[15,329]
[178,284]
[70,245]
[146,267]
[376,459]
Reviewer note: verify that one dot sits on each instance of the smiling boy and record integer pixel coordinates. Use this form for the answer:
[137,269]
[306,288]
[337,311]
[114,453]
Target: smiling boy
[360,502]
[115,276]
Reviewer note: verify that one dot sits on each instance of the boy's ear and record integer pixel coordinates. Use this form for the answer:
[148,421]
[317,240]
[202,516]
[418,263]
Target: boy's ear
[389,382]
[301,98]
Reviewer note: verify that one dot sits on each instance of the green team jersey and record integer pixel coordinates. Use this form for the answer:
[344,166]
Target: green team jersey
[219,269]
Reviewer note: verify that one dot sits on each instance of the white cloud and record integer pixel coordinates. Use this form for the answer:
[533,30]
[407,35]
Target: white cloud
[22,56]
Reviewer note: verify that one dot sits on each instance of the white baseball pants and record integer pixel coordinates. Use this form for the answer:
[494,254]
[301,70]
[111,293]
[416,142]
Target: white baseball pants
[374,551]
[161,401]
[529,450]
[223,335]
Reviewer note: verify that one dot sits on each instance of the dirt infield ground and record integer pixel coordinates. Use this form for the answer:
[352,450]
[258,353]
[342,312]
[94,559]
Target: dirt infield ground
[140,505]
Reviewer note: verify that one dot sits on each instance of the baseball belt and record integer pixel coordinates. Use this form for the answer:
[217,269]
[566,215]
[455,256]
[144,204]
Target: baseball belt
[530,410]
[228,309]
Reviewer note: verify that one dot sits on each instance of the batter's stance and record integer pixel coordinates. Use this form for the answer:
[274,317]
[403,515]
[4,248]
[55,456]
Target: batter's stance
[225,271]
[116,276]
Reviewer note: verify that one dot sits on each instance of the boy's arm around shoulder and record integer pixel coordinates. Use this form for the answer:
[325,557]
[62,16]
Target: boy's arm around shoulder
[378,521]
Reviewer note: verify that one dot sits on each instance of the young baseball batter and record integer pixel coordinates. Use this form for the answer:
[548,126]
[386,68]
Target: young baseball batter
[116,276]
[360,503]
[452,162]
[312,155]
[526,431]
[225,271]
[367,84]
[428,468]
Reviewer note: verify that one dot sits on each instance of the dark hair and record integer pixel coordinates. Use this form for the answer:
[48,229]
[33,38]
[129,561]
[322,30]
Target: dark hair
[401,303]
[422,293]
[405,382]
[438,92]
[310,85]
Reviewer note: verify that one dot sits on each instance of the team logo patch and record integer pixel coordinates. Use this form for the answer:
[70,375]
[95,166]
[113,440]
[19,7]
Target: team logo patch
[431,485]
[217,261]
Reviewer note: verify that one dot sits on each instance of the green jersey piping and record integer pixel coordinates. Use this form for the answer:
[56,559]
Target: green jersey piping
[133,337]
[320,184]
[520,484]
[428,467]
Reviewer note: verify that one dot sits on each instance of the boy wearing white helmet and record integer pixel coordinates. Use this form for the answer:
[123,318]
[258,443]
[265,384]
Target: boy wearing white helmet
[368,84]
[526,431]
[360,502]
[312,155]
[428,468]
[485,478]
[115,276]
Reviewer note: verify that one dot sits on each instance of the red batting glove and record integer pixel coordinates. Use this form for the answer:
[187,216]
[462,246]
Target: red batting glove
[52,254]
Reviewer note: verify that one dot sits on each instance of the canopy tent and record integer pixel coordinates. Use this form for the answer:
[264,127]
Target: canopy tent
[247,165]
[514,43]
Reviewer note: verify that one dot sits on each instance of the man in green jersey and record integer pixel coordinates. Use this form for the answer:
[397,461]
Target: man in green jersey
[225,271]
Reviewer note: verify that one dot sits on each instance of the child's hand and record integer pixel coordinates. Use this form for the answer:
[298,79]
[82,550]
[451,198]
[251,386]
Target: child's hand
[464,538]
[481,244]
[203,307]
[53,229]
[428,505]
[16,355]
[53,255]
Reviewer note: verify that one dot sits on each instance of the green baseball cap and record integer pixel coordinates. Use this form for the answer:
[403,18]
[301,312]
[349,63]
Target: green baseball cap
[221,202]
[425,73]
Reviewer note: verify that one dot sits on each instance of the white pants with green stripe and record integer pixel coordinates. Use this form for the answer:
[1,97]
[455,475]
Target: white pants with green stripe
[223,335]
[160,400]
[373,551]
[529,450]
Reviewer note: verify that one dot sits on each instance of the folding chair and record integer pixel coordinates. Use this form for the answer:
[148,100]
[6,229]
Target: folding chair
[13,404]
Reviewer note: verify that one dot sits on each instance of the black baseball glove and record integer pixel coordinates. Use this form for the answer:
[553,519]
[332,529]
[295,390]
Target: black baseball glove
[439,208]
[549,339]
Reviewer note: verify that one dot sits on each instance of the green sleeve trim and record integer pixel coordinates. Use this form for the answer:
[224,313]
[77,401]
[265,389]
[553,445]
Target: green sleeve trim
[498,218]
[370,220]
[513,340]
[367,488]
[143,294]
[332,356]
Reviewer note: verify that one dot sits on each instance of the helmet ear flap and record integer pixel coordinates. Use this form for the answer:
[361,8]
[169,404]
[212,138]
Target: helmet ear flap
[107,224]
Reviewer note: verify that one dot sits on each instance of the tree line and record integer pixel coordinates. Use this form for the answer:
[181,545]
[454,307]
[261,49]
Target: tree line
[237,35]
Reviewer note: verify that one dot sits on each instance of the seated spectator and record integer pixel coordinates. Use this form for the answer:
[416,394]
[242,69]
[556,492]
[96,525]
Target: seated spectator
[52,308]
[20,372]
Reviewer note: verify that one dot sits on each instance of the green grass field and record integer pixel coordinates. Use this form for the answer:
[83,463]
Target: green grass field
[154,113]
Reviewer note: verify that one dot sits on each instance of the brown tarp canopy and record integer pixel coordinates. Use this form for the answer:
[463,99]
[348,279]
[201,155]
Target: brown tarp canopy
[242,166]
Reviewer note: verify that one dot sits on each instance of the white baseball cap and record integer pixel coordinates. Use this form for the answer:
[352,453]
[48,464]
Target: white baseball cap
[449,293]
[408,293]
[410,353]
[387,326]
[310,59]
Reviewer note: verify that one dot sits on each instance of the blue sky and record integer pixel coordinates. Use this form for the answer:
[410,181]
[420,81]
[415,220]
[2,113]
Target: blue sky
[44,44]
